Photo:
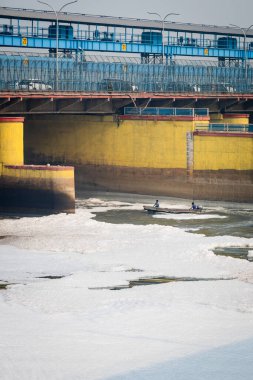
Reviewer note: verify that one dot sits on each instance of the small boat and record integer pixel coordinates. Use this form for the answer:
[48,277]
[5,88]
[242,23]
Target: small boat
[153,210]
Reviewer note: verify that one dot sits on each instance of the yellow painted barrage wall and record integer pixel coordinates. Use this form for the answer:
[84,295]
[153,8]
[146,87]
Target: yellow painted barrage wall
[30,173]
[242,119]
[39,188]
[11,142]
[101,140]
[30,187]
[223,152]
[239,119]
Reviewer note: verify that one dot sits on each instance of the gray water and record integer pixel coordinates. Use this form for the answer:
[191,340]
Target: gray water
[156,281]
[237,217]
[236,252]
[235,224]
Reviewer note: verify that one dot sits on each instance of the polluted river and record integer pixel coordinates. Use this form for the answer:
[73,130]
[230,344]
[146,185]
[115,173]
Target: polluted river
[113,292]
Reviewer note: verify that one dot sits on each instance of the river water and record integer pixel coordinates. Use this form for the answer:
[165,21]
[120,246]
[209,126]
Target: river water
[74,300]
[235,219]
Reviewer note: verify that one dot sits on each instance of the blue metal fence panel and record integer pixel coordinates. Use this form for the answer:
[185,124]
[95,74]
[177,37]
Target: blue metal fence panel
[166,111]
[157,111]
[82,73]
[201,111]
[222,127]
[184,112]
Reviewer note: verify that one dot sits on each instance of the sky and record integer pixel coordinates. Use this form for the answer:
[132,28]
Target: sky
[213,12]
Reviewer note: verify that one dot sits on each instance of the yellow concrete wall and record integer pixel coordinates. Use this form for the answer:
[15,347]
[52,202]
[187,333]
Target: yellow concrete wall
[229,119]
[216,117]
[100,140]
[30,187]
[201,125]
[11,142]
[244,120]
[37,189]
[37,172]
[219,153]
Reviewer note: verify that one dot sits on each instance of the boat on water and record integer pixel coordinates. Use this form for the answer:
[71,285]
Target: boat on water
[153,210]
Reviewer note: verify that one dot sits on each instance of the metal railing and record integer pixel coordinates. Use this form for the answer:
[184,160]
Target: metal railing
[120,74]
[160,111]
[94,34]
[224,127]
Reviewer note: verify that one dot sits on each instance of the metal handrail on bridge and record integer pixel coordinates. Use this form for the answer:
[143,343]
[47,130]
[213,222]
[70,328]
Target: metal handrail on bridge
[160,111]
[202,41]
[225,127]
[87,73]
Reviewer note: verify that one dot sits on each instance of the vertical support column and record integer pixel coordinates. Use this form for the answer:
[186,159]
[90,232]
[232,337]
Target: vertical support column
[11,141]
[189,154]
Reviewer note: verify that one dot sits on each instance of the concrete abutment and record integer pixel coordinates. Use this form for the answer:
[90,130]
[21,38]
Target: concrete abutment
[174,156]
[30,188]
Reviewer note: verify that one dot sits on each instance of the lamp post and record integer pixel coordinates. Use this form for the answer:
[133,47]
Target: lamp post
[57,31]
[163,19]
[245,31]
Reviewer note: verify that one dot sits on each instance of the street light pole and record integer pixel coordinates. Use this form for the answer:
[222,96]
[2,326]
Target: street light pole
[245,31]
[57,32]
[163,19]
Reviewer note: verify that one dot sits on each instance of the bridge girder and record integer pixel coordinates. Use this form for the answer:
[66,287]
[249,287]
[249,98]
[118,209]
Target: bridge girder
[104,103]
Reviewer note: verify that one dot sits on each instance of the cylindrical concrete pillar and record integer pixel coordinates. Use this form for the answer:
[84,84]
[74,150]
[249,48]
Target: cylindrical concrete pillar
[11,141]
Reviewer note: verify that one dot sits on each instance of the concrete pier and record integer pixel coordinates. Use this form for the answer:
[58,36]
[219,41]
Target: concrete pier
[31,188]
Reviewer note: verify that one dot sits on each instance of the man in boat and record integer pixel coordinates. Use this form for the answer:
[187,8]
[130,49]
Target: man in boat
[195,207]
[156,204]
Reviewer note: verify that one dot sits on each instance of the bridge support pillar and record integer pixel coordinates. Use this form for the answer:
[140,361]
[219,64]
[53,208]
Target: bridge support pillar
[11,140]
[30,188]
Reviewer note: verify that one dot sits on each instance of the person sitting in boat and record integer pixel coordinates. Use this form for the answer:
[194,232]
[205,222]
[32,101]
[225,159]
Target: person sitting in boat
[195,207]
[156,204]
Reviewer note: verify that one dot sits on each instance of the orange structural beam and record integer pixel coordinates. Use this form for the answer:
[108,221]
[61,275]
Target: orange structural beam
[223,134]
[122,95]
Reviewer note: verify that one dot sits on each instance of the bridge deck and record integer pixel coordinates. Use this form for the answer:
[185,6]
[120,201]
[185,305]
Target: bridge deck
[13,103]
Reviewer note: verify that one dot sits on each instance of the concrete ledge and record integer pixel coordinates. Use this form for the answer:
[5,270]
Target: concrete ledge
[40,167]
[223,134]
[12,119]
[235,116]
[37,189]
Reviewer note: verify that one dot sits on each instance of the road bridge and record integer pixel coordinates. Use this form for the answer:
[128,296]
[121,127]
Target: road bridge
[67,80]
[144,124]
[95,74]
[23,103]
